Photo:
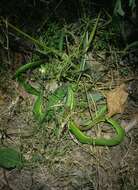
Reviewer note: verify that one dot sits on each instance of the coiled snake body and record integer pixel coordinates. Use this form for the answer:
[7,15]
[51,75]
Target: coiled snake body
[60,93]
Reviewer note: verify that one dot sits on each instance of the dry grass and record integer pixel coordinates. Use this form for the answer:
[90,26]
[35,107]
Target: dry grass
[55,159]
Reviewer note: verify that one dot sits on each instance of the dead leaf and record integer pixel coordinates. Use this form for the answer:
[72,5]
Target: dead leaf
[116,100]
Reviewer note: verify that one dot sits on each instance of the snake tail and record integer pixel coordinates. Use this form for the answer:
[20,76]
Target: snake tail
[84,139]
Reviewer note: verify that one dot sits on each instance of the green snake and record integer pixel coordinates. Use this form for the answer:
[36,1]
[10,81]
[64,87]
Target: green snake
[54,99]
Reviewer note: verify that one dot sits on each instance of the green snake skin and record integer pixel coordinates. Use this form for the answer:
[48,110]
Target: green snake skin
[81,137]
[58,95]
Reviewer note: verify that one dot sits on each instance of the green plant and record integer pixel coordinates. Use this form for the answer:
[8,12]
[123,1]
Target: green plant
[10,158]
[118,9]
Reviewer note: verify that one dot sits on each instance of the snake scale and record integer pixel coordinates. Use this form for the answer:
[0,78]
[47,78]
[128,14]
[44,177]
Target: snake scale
[72,126]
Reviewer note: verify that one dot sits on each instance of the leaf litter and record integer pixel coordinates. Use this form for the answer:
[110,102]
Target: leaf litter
[116,100]
[62,164]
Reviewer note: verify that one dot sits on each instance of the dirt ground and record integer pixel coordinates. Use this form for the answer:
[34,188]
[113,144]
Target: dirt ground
[62,163]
